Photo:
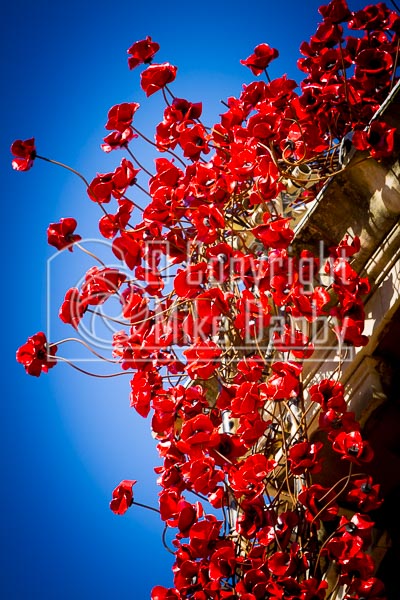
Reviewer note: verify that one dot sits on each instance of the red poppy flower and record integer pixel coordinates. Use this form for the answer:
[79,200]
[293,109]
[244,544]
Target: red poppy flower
[72,310]
[329,394]
[203,536]
[120,116]
[248,479]
[127,248]
[188,283]
[303,457]
[260,59]
[254,316]
[142,52]
[275,234]
[373,17]
[208,220]
[336,423]
[144,385]
[361,565]
[282,564]
[350,538]
[365,494]
[122,497]
[37,355]
[193,141]
[284,381]
[162,593]
[24,153]
[367,589]
[100,284]
[281,529]
[197,434]
[155,77]
[378,139]
[123,177]
[372,62]
[109,225]
[203,359]
[101,188]
[293,341]
[336,11]
[223,562]
[353,448]
[61,235]
[247,399]
[201,475]
[319,502]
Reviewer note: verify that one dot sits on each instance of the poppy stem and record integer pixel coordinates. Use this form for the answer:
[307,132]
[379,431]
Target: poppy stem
[60,164]
[78,245]
[137,162]
[146,506]
[75,172]
[100,376]
[73,339]
[164,540]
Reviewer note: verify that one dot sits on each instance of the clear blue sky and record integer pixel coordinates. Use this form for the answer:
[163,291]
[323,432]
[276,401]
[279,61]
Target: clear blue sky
[67,440]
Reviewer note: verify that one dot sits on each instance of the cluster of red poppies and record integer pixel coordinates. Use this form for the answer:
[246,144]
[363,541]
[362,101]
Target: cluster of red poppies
[206,356]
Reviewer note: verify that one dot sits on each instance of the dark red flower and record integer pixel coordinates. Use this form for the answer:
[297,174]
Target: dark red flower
[281,564]
[378,139]
[142,52]
[279,528]
[24,153]
[61,235]
[319,502]
[329,394]
[144,385]
[353,448]
[365,494]
[208,220]
[373,17]
[336,423]
[260,59]
[336,11]
[37,355]
[372,62]
[223,562]
[122,497]
[156,77]
[366,589]
[162,593]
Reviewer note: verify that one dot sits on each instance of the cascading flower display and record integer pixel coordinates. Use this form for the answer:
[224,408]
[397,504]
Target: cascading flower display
[216,350]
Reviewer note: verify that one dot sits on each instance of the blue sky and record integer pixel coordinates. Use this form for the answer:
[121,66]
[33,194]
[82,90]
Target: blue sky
[67,440]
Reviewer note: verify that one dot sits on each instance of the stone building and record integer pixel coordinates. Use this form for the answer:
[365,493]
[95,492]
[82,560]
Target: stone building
[364,200]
